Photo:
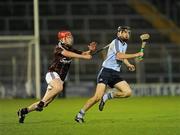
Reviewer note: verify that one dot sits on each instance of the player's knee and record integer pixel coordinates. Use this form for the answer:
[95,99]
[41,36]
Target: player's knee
[58,88]
[97,98]
[56,85]
[94,99]
[128,93]
[49,87]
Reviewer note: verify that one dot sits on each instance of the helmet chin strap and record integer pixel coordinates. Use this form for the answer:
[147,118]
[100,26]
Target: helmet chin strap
[62,43]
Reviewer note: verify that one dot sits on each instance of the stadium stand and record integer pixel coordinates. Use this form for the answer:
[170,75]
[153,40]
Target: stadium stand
[170,8]
[92,20]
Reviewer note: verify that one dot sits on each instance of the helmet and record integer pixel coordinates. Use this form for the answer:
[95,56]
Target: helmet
[63,34]
[120,28]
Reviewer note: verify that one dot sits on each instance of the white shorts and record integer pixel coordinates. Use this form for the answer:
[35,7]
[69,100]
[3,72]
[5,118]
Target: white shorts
[51,75]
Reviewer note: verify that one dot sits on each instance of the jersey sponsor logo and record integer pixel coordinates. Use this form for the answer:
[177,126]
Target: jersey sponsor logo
[65,61]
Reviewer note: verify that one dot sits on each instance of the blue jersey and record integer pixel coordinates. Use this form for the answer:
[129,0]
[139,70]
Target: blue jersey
[111,62]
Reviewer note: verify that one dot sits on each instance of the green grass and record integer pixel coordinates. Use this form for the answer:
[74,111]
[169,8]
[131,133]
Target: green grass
[131,116]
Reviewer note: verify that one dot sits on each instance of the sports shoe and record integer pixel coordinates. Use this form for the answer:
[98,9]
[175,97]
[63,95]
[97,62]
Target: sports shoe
[79,120]
[21,116]
[101,105]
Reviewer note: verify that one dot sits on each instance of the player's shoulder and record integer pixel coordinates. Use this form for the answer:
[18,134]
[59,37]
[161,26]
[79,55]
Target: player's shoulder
[113,42]
[61,47]
[57,47]
[121,42]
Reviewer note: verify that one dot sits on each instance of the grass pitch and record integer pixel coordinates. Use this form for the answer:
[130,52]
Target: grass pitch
[131,116]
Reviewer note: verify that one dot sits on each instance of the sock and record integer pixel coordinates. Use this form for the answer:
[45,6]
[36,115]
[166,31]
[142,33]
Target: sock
[81,114]
[41,104]
[24,110]
[107,96]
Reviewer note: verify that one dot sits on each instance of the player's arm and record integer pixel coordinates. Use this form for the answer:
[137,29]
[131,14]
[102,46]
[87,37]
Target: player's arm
[87,52]
[129,65]
[92,48]
[126,62]
[74,55]
[121,56]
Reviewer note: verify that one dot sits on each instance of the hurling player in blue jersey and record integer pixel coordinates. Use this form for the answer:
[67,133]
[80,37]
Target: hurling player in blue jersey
[110,73]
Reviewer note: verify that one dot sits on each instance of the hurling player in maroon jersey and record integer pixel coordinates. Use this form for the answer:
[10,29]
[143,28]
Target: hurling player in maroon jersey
[63,55]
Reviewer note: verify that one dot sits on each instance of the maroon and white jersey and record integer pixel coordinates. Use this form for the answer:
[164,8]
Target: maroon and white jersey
[61,63]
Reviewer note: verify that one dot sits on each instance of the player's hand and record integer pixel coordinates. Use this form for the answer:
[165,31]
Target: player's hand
[92,46]
[139,54]
[87,56]
[131,67]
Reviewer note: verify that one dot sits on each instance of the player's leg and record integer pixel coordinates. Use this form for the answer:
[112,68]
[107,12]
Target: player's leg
[55,86]
[53,89]
[100,89]
[34,105]
[24,111]
[123,91]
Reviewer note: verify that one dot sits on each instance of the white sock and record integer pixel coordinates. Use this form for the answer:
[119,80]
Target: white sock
[81,114]
[107,96]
